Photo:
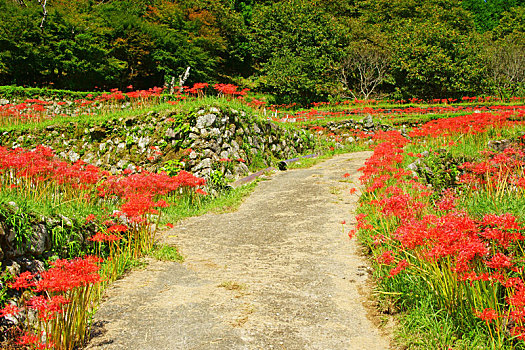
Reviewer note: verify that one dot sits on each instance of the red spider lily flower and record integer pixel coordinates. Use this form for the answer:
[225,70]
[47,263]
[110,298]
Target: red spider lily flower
[343,222]
[29,339]
[9,310]
[65,275]
[170,225]
[24,280]
[487,315]
[240,160]
[161,204]
[90,218]
[499,261]
[403,264]
[100,237]
[353,190]
[201,192]
[351,233]
[518,332]
[117,228]
[386,258]
[346,175]
[47,307]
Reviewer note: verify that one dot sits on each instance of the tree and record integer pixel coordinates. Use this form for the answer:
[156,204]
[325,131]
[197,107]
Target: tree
[295,44]
[506,63]
[365,67]
[487,13]
[506,54]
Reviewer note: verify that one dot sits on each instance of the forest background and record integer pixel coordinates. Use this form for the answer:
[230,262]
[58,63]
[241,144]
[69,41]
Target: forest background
[296,50]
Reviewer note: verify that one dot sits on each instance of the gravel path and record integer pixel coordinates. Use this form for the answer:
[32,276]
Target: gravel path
[279,273]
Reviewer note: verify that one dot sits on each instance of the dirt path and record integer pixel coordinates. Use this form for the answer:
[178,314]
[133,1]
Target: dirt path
[279,273]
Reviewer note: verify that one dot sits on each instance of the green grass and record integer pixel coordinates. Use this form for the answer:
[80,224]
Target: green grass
[70,209]
[224,203]
[479,203]
[184,107]
[166,253]
[425,327]
[309,162]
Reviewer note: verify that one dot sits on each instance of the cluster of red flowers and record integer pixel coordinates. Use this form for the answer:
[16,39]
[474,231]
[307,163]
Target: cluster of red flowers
[53,291]
[31,170]
[440,237]
[35,110]
[230,90]
[41,165]
[466,124]
[499,171]
[316,114]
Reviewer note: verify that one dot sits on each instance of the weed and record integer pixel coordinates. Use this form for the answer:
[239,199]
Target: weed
[231,285]
[166,253]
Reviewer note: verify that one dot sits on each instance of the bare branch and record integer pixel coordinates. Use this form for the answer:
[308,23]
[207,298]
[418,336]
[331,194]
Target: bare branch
[365,67]
[182,79]
[506,64]
[43,3]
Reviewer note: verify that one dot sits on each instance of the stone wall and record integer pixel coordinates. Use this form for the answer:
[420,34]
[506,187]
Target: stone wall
[194,141]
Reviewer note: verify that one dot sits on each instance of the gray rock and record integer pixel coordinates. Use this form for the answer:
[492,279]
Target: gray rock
[241,169]
[368,121]
[121,147]
[65,220]
[121,164]
[40,241]
[13,205]
[203,164]
[213,145]
[170,133]
[235,146]
[131,167]
[205,121]
[31,265]
[143,142]
[499,145]
[214,110]
[208,153]
[14,269]
[414,166]
[88,157]
[215,132]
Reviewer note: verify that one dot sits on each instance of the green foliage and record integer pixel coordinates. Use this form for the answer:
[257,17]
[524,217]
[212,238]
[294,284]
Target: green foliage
[488,13]
[172,167]
[296,58]
[294,49]
[435,57]
[440,169]
[166,253]
[18,219]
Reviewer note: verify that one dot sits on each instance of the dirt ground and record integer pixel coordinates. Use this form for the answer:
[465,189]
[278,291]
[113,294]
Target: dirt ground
[279,273]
